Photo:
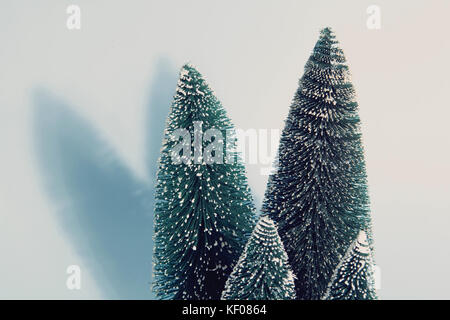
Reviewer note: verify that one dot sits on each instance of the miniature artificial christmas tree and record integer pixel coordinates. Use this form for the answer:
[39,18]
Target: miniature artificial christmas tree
[262,272]
[353,278]
[204,211]
[318,195]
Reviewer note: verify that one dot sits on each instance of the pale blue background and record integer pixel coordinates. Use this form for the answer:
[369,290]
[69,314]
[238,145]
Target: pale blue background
[81,114]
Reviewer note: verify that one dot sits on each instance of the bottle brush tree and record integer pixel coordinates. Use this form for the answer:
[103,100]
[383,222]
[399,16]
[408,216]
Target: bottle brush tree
[263,272]
[353,278]
[204,211]
[318,195]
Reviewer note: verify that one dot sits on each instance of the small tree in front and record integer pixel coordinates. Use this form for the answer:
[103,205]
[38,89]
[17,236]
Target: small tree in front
[353,278]
[263,272]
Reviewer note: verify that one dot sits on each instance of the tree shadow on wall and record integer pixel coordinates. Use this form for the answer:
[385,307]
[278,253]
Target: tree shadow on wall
[162,90]
[105,211]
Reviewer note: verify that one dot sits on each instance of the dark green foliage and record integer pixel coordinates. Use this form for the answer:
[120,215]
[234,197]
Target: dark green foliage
[353,277]
[318,195]
[262,272]
[204,212]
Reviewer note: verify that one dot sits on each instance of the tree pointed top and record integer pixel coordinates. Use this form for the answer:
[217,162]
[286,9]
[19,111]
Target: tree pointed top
[191,82]
[264,223]
[327,32]
[327,48]
[353,278]
[188,71]
[188,67]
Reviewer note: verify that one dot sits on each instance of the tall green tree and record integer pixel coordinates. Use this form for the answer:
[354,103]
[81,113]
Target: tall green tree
[263,272]
[204,211]
[318,195]
[353,278]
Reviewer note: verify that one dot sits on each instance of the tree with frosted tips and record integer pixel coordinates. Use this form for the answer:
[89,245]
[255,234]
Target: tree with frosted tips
[262,272]
[204,211]
[318,195]
[353,278]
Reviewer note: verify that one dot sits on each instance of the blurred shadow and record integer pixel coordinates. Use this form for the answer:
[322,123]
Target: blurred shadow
[104,210]
[162,91]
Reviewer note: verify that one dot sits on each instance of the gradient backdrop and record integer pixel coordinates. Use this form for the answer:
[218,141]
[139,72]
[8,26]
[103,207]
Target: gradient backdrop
[82,112]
